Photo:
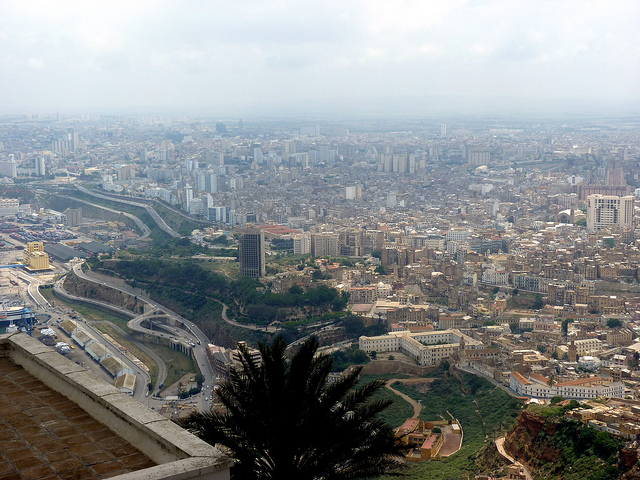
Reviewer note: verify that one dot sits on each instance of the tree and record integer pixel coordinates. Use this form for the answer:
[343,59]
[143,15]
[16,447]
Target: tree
[565,326]
[614,323]
[284,420]
[537,303]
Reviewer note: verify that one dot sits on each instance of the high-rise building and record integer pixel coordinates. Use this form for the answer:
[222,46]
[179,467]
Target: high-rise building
[325,244]
[353,192]
[479,156]
[9,168]
[609,210]
[126,173]
[188,197]
[74,217]
[40,171]
[251,253]
[301,244]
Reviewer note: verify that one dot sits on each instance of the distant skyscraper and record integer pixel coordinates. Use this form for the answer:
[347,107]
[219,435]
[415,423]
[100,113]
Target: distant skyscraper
[615,176]
[40,171]
[9,168]
[75,141]
[188,196]
[251,253]
[443,130]
[479,156]
[353,193]
[258,156]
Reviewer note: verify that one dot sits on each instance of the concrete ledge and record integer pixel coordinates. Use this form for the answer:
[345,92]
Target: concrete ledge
[179,454]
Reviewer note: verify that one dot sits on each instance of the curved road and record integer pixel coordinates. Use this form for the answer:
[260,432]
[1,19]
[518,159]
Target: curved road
[140,224]
[199,338]
[143,377]
[154,215]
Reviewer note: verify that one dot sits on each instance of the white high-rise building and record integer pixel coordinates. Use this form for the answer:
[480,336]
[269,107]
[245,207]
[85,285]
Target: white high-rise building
[354,192]
[301,244]
[392,200]
[188,197]
[258,156]
[609,210]
[9,168]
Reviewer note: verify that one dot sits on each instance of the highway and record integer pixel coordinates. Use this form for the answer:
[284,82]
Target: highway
[142,376]
[141,225]
[191,332]
[32,288]
[154,215]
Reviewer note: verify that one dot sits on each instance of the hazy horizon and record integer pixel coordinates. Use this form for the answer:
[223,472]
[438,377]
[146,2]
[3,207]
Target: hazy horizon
[360,58]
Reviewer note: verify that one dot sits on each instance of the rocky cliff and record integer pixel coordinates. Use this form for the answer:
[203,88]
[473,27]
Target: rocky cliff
[95,291]
[554,447]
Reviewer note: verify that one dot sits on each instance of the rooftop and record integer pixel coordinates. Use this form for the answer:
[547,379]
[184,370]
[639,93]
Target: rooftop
[46,435]
[58,421]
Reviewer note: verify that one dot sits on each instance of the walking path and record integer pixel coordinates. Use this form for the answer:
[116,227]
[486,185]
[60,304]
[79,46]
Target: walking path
[417,407]
[452,441]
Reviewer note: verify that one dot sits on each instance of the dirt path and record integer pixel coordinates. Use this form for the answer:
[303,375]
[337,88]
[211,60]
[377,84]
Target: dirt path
[417,407]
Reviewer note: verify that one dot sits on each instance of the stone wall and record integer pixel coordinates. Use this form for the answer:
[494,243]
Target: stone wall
[381,367]
[179,454]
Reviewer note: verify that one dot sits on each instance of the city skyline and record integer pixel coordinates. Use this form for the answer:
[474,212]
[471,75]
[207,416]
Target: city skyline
[355,58]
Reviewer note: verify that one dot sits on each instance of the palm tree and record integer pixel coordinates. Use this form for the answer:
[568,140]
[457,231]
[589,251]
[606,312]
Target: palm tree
[284,420]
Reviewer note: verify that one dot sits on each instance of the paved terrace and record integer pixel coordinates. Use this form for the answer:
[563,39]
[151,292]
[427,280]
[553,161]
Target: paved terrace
[58,421]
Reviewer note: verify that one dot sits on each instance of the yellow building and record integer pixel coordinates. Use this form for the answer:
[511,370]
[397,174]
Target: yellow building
[35,257]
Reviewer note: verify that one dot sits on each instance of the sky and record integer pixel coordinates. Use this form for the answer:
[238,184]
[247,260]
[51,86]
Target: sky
[239,56]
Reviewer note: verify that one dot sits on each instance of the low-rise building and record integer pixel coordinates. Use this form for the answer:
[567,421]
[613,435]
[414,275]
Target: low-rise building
[426,348]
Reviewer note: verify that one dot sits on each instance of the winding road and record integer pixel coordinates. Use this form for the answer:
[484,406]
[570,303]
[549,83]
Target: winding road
[152,213]
[190,331]
[139,223]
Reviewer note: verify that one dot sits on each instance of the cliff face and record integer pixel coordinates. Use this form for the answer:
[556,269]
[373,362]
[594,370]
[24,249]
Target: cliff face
[557,448]
[98,292]
[525,442]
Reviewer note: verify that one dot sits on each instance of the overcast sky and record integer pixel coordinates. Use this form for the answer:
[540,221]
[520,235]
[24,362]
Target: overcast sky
[240,55]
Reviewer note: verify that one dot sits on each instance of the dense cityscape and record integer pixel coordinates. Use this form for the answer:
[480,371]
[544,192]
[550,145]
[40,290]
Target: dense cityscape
[503,249]
[320,240]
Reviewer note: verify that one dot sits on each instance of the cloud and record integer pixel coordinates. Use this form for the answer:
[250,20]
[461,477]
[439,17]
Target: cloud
[288,49]
[36,63]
